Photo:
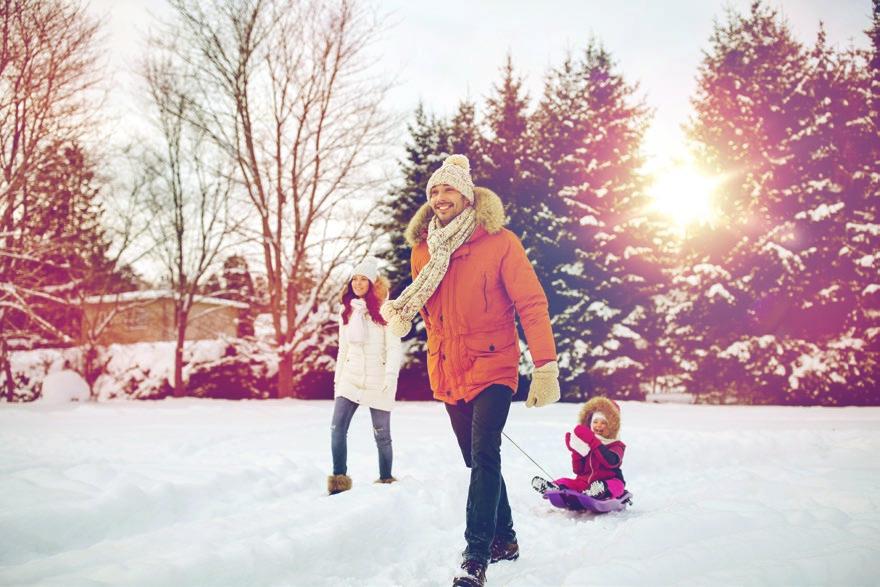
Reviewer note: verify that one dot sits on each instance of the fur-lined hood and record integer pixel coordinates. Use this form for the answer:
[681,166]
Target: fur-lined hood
[490,215]
[382,287]
[607,407]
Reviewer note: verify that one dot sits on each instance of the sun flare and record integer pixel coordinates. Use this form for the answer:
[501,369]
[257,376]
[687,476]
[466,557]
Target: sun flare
[684,194]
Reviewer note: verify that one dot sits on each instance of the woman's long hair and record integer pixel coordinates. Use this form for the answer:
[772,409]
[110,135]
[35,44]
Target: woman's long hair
[373,298]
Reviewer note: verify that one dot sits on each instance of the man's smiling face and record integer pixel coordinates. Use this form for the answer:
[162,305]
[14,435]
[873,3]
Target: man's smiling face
[447,202]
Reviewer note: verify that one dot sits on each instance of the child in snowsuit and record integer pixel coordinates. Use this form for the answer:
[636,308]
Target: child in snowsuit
[596,453]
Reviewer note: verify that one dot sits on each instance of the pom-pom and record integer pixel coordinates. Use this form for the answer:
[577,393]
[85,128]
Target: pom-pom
[460,161]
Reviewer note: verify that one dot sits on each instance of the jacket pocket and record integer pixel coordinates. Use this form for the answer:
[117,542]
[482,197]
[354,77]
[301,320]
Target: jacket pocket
[490,356]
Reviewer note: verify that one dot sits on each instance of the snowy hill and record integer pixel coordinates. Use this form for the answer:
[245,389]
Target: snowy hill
[192,492]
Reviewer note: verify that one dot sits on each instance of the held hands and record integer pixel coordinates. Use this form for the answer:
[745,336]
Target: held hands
[545,385]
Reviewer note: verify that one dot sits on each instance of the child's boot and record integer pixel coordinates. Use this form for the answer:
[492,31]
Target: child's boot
[598,490]
[541,485]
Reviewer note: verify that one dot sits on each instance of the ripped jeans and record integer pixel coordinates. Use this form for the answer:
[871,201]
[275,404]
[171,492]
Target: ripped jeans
[343,410]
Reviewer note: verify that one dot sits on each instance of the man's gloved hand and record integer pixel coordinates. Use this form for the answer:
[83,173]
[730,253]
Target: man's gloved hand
[545,385]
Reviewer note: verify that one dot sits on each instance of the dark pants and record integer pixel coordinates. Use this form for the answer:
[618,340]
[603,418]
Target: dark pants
[477,426]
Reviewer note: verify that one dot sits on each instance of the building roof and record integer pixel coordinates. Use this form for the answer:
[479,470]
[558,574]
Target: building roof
[158,294]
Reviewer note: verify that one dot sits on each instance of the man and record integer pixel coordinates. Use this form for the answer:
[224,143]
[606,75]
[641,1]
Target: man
[469,276]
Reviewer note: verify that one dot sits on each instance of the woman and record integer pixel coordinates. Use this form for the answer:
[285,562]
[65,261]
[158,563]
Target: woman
[366,371]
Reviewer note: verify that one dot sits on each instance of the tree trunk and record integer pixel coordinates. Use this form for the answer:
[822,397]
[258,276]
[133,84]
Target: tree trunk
[7,370]
[285,375]
[179,390]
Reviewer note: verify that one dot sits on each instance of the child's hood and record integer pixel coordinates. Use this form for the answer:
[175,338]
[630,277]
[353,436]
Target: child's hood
[607,407]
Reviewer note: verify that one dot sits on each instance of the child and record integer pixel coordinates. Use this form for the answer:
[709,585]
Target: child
[596,453]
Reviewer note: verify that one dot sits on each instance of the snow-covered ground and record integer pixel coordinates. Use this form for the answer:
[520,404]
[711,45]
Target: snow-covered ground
[201,493]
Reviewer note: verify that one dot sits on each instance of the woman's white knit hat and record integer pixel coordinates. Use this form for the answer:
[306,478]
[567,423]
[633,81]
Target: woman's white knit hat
[369,268]
[455,171]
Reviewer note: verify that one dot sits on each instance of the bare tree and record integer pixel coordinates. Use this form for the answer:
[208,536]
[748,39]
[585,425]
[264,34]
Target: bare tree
[99,305]
[47,70]
[192,218]
[285,88]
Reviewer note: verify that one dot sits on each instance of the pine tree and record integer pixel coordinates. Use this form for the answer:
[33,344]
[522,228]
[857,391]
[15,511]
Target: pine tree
[429,145]
[70,249]
[466,139]
[747,108]
[506,152]
[770,323]
[238,285]
[588,130]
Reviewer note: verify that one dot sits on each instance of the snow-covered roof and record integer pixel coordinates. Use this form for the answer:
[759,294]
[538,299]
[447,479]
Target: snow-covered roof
[158,294]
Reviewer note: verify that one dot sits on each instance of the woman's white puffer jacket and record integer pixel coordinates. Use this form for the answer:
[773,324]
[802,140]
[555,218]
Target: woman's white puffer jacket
[366,373]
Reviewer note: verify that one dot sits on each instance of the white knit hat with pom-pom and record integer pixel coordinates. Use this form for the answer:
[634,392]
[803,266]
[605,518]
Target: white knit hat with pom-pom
[455,171]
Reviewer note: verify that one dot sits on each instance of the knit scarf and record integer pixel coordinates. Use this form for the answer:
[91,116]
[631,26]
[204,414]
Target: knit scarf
[357,322]
[442,242]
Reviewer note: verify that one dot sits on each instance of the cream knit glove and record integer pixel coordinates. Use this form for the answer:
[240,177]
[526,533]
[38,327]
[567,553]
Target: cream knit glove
[545,385]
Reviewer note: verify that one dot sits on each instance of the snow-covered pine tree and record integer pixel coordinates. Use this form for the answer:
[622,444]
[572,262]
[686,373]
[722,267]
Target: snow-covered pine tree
[428,146]
[466,139]
[426,149]
[588,130]
[768,323]
[747,108]
[862,328]
[238,285]
[505,151]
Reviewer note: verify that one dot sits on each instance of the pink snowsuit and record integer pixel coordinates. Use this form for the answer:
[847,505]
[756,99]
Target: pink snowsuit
[602,462]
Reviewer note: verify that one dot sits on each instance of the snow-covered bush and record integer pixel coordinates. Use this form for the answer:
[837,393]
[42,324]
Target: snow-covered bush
[245,370]
[64,386]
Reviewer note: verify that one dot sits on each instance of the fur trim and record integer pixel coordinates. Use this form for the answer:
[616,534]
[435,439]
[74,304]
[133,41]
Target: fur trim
[381,288]
[607,407]
[338,484]
[490,215]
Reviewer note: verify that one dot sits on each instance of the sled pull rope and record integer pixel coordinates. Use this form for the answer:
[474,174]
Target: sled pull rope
[549,476]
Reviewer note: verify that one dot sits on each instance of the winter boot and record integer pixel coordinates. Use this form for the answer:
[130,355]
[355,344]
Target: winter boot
[338,484]
[541,485]
[503,550]
[598,490]
[385,480]
[472,574]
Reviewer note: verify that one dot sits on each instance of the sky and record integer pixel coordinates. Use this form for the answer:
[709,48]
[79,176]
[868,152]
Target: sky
[442,53]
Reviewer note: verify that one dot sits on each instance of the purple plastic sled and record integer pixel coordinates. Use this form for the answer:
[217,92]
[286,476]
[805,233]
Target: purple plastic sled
[575,500]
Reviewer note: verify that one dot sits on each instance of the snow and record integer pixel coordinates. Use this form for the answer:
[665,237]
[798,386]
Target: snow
[602,310]
[64,386]
[718,289]
[589,220]
[821,212]
[616,364]
[159,294]
[202,492]
[624,332]
[791,261]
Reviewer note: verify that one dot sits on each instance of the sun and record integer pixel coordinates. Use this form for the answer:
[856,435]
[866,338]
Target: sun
[684,194]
